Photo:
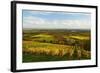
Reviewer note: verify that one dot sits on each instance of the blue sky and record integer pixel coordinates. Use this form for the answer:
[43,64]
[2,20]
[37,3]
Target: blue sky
[53,20]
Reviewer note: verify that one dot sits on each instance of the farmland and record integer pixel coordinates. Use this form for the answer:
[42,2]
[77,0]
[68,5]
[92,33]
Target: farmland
[56,45]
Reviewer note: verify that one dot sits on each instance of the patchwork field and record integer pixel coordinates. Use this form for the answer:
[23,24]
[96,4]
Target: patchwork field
[56,45]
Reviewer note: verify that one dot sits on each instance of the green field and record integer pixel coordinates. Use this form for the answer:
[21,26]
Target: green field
[56,45]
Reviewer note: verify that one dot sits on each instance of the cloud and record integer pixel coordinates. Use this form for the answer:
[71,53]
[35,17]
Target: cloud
[41,23]
[37,12]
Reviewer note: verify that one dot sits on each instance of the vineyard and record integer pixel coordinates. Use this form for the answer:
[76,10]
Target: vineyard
[55,45]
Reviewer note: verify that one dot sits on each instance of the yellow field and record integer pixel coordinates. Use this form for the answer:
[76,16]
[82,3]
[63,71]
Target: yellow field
[42,35]
[53,49]
[81,37]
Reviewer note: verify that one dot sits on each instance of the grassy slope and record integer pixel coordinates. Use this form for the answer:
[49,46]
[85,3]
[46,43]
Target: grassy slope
[29,57]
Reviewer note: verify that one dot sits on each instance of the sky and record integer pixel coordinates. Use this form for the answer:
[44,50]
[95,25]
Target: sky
[55,20]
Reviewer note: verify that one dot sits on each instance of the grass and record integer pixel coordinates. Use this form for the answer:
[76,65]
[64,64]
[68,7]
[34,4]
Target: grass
[27,57]
[41,58]
[42,35]
[47,48]
[36,52]
[51,46]
[81,37]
